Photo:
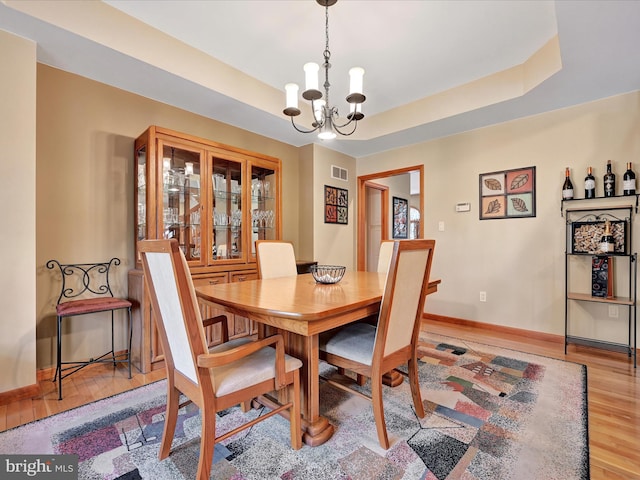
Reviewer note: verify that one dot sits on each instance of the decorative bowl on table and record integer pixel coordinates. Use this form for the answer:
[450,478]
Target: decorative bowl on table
[327,273]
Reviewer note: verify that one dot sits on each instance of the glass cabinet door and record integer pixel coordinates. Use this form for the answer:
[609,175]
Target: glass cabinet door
[226,182]
[141,194]
[181,199]
[264,213]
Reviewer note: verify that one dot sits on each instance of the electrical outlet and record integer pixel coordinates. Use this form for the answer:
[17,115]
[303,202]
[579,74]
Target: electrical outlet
[613,311]
[441,226]
[483,297]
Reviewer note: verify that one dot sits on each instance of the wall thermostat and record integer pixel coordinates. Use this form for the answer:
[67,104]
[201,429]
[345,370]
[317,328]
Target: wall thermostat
[463,207]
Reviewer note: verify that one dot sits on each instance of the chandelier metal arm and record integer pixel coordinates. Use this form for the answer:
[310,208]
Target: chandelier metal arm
[338,128]
[302,130]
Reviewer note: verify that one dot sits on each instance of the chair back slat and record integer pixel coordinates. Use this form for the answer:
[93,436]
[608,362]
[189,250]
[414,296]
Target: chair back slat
[275,259]
[176,313]
[404,295]
[84,280]
[166,292]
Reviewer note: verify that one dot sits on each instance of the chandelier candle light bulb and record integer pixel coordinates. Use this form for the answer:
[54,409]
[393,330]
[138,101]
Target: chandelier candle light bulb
[291,90]
[311,78]
[318,110]
[356,75]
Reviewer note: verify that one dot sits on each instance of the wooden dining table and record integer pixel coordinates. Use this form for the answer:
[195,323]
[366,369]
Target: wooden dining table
[301,309]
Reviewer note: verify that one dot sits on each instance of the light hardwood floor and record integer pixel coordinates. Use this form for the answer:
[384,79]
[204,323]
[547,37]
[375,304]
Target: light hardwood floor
[613,395]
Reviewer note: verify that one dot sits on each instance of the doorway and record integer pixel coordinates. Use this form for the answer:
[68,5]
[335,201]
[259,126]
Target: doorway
[374,196]
[376,222]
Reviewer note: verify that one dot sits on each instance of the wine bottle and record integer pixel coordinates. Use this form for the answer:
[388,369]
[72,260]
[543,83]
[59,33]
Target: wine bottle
[606,242]
[629,181]
[609,182]
[589,184]
[567,188]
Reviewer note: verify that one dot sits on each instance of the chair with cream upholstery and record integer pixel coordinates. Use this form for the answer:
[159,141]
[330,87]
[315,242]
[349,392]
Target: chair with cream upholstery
[384,255]
[275,259]
[216,379]
[374,350]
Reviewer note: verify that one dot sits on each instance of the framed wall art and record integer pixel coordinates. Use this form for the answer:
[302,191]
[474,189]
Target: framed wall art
[336,205]
[587,235]
[508,194]
[400,217]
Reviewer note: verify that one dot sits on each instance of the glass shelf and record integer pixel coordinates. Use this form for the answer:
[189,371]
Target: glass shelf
[224,195]
[259,198]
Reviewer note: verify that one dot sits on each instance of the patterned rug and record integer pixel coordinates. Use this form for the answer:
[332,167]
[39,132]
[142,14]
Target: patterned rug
[491,413]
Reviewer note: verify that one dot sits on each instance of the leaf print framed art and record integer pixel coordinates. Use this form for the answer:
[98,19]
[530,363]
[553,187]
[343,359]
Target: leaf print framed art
[508,194]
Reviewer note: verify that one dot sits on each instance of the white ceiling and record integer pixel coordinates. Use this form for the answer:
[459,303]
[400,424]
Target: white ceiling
[410,49]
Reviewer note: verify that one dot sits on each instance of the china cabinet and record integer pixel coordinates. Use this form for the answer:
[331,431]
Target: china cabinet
[216,200]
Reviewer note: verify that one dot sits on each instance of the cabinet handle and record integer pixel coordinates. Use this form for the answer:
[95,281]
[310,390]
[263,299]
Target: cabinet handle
[241,278]
[214,282]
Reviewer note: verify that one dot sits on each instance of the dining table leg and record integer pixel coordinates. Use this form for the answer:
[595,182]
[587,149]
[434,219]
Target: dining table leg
[316,428]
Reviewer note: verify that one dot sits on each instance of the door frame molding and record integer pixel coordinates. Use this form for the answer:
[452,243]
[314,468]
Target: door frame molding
[384,213]
[361,222]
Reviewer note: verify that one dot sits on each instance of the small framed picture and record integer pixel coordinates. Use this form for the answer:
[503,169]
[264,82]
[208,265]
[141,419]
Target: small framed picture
[336,205]
[400,217]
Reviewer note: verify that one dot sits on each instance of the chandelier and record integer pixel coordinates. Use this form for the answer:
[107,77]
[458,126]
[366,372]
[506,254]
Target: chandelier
[326,119]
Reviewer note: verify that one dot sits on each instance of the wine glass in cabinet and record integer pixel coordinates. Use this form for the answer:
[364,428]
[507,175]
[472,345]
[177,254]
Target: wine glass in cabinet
[226,181]
[168,195]
[265,198]
[180,197]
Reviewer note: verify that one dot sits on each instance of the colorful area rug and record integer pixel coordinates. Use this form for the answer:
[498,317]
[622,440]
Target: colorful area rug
[491,413]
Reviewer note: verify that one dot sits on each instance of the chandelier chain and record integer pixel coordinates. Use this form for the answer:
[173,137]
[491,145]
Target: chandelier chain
[327,54]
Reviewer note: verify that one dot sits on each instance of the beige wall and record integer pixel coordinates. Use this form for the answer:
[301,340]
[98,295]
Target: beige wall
[306,181]
[333,244]
[518,262]
[85,136]
[18,198]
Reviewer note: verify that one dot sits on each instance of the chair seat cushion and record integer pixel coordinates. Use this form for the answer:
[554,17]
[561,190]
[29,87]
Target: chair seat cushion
[354,342]
[91,305]
[255,368]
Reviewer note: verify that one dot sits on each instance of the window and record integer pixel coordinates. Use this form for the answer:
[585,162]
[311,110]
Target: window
[414,222]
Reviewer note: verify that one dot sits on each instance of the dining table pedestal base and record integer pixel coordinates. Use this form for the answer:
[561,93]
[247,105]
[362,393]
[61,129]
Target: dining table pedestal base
[313,434]
[393,378]
[317,433]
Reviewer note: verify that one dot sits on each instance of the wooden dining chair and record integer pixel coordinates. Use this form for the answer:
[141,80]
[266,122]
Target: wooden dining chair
[275,259]
[215,379]
[372,350]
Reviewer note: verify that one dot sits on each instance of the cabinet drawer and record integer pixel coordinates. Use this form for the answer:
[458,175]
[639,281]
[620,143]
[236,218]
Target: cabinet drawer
[244,275]
[212,279]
